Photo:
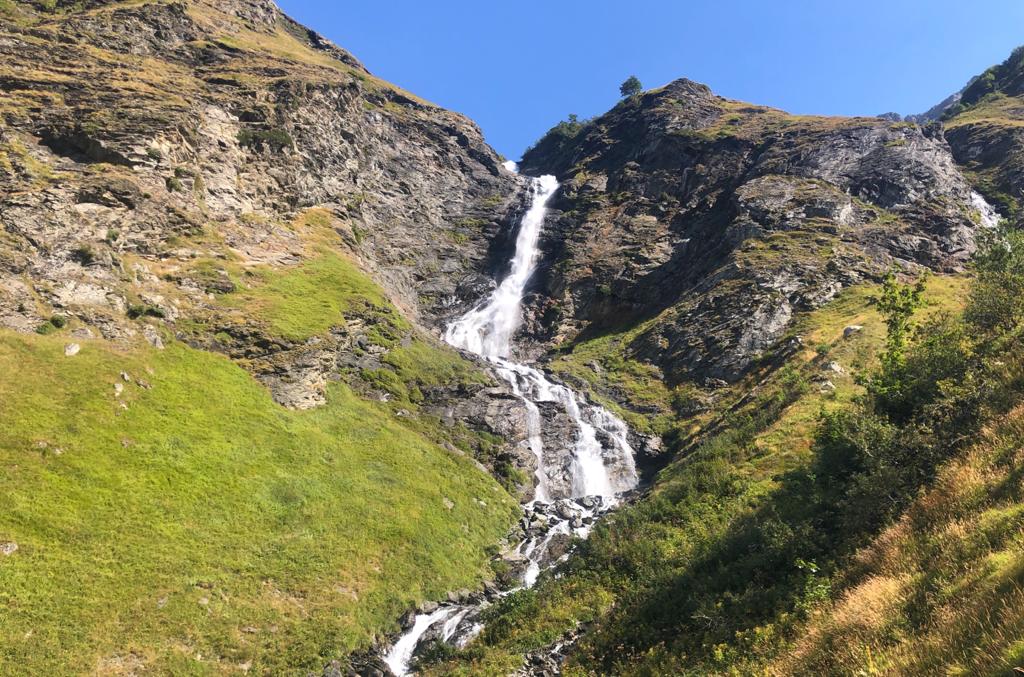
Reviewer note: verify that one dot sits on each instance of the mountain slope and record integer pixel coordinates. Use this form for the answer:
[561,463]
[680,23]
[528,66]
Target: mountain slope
[718,273]
[985,133]
[687,205]
[231,441]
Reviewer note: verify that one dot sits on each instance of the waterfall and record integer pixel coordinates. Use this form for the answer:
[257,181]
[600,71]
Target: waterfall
[487,329]
[600,466]
[989,216]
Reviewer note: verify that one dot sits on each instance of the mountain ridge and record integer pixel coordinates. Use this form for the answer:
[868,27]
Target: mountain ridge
[227,253]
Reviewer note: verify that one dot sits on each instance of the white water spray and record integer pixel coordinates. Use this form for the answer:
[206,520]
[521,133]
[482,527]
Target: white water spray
[989,216]
[601,464]
[487,330]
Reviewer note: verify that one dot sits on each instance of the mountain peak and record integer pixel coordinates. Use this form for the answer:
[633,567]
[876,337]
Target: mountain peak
[687,87]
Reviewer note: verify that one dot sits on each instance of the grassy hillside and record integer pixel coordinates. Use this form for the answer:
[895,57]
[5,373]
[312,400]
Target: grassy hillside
[178,521]
[864,526]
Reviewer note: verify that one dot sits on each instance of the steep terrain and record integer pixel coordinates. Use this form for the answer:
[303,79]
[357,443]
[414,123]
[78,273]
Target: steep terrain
[839,491]
[986,132]
[727,219]
[190,191]
[232,441]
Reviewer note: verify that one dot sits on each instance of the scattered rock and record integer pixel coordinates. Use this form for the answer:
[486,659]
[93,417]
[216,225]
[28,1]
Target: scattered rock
[118,389]
[153,337]
[851,330]
[835,367]
[449,504]
[72,349]
[827,387]
[8,548]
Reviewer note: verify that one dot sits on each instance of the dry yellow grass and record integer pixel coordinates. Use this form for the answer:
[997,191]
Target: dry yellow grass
[940,591]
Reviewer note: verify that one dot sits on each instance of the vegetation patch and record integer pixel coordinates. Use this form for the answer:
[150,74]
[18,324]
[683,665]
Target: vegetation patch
[718,569]
[165,509]
[311,298]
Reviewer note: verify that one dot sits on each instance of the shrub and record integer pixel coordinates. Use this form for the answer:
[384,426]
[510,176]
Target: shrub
[136,311]
[84,254]
[55,323]
[276,139]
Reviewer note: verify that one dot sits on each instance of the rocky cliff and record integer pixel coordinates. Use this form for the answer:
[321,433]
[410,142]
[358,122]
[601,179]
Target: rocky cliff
[984,130]
[158,157]
[716,222]
[150,150]
[183,182]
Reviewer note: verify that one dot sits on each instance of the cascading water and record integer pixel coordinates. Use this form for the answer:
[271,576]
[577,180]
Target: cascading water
[989,216]
[600,466]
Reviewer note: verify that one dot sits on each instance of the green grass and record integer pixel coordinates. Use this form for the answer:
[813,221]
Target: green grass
[941,591]
[313,297]
[667,580]
[644,399]
[195,527]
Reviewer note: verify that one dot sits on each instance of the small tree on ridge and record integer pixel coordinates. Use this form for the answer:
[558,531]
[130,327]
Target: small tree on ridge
[631,87]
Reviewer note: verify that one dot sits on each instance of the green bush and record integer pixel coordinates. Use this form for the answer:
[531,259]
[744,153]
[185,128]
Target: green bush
[276,139]
[55,323]
[135,311]
[84,254]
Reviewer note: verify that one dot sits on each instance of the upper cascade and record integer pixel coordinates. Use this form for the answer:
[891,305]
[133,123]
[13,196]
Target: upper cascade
[487,331]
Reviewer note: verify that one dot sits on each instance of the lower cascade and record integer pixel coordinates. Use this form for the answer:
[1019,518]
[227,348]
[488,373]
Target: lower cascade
[600,467]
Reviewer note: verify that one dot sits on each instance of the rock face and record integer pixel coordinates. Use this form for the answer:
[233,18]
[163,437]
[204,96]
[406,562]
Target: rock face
[130,130]
[720,220]
[156,158]
[984,130]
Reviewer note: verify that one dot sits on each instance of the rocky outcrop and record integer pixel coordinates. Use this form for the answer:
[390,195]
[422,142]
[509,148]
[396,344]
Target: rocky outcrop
[158,159]
[984,130]
[719,221]
[132,131]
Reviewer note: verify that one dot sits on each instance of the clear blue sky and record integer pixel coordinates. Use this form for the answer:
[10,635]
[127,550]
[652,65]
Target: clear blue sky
[518,67]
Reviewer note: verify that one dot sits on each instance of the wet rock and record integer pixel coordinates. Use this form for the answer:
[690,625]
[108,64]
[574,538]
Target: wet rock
[565,510]
[366,665]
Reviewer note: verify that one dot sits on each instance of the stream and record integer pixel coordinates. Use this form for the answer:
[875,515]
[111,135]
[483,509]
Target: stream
[599,468]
